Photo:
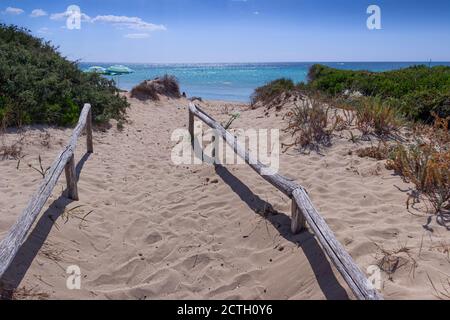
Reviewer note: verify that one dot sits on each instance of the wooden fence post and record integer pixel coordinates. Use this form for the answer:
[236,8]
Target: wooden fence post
[214,143]
[90,145]
[71,178]
[191,129]
[298,221]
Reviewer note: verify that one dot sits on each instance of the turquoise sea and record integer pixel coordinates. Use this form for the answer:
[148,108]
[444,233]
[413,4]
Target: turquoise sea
[236,82]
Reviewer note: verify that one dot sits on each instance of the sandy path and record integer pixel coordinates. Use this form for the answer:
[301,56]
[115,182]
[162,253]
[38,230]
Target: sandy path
[156,230]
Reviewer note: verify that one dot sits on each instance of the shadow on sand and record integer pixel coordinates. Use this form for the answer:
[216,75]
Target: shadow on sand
[15,273]
[323,272]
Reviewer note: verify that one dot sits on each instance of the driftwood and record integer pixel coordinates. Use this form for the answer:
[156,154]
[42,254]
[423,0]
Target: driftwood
[65,160]
[302,211]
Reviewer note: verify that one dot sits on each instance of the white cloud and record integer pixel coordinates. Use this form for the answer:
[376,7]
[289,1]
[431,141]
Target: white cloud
[137,35]
[256,13]
[65,15]
[44,30]
[13,11]
[120,22]
[134,23]
[38,13]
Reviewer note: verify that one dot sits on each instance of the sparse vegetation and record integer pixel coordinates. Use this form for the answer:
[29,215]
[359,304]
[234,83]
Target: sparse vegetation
[442,293]
[310,124]
[267,93]
[39,86]
[12,151]
[41,170]
[379,152]
[426,164]
[22,293]
[166,85]
[75,213]
[233,117]
[374,116]
[390,261]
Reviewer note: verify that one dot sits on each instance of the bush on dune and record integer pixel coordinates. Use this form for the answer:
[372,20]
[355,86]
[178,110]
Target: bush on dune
[267,93]
[416,91]
[39,86]
[151,89]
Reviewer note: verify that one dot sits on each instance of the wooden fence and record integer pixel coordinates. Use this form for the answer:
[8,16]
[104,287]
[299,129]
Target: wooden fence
[65,161]
[303,211]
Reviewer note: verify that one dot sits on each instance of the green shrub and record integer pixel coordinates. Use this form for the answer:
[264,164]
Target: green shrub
[270,91]
[416,91]
[38,85]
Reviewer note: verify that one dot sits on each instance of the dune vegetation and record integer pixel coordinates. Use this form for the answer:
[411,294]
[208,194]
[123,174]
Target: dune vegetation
[416,92]
[39,86]
[166,85]
[376,106]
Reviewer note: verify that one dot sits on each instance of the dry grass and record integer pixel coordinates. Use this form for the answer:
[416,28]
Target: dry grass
[379,152]
[11,151]
[426,164]
[77,213]
[40,169]
[22,293]
[443,292]
[390,261]
[233,117]
[45,139]
[375,117]
[50,251]
[151,89]
[144,91]
[310,124]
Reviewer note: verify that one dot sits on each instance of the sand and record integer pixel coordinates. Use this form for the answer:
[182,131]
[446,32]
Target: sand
[147,229]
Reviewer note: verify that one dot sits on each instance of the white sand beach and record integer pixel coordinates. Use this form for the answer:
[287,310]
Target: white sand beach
[147,229]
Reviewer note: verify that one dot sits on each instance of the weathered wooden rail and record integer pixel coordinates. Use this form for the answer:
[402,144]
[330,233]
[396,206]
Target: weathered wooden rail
[65,161]
[303,211]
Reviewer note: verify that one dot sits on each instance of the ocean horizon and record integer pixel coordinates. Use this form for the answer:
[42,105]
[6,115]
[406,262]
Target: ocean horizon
[236,81]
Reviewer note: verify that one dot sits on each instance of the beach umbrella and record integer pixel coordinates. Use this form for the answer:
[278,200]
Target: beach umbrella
[96,69]
[118,70]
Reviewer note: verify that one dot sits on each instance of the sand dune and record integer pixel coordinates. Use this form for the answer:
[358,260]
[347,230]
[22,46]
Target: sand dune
[154,230]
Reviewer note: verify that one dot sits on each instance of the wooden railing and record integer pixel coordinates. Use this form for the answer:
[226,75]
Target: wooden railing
[65,161]
[303,211]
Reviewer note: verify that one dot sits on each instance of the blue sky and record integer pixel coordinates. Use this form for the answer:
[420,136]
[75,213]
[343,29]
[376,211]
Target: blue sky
[164,31]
